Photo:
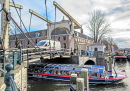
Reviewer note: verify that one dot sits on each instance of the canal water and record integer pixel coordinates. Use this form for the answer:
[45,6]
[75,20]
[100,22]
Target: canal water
[51,85]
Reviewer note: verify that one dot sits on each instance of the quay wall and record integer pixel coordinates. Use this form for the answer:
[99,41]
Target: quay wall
[20,77]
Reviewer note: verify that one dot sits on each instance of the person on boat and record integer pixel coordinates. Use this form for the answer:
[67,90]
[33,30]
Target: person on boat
[48,72]
[59,72]
[54,72]
[65,73]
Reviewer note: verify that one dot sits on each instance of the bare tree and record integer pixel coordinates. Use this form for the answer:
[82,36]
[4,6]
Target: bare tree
[110,41]
[98,25]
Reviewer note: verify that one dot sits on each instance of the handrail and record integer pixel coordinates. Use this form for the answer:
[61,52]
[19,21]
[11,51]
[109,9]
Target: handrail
[8,76]
[13,85]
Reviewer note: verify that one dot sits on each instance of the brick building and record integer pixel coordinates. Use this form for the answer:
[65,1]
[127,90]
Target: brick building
[60,34]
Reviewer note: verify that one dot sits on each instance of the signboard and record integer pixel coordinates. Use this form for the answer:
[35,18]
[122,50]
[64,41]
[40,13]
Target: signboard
[89,52]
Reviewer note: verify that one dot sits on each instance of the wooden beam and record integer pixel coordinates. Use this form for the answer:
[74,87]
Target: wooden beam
[40,16]
[16,5]
[67,14]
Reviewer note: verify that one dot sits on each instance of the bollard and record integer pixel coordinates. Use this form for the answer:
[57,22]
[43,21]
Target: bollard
[110,64]
[80,84]
[84,74]
[8,75]
[73,78]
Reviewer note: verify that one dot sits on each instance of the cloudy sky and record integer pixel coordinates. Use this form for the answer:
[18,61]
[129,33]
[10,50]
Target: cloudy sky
[117,13]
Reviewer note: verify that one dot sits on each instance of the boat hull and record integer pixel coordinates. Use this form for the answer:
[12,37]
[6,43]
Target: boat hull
[67,78]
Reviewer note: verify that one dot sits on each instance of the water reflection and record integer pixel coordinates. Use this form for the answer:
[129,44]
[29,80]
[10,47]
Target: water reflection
[51,85]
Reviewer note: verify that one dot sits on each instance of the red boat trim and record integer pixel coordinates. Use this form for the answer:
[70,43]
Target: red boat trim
[49,74]
[79,77]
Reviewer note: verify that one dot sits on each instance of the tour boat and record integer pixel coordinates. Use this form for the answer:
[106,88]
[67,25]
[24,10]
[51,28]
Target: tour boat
[97,74]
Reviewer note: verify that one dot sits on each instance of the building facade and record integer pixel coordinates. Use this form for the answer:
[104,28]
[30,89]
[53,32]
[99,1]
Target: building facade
[60,34]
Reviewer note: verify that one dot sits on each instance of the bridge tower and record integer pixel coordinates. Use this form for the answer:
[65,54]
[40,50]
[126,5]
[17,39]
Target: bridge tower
[5,21]
[69,25]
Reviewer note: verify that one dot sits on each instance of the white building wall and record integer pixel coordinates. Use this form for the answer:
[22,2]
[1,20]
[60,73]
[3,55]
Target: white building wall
[100,48]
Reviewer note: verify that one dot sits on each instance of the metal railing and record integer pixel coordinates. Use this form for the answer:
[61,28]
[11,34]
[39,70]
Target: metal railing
[9,78]
[11,56]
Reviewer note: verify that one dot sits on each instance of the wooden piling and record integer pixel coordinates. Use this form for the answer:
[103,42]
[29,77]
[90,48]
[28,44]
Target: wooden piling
[84,74]
[80,84]
[73,78]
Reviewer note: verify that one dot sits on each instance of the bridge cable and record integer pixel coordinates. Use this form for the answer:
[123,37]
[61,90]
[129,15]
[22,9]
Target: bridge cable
[47,25]
[25,29]
[54,27]
[30,22]
[20,17]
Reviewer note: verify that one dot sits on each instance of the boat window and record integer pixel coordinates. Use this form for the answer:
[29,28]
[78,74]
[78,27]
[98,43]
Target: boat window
[65,73]
[71,72]
[101,75]
[68,73]
[54,72]
[31,70]
[105,73]
[59,72]
[48,72]
[44,71]
[93,74]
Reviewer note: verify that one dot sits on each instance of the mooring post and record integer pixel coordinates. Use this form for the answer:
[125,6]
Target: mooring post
[84,74]
[73,78]
[8,76]
[80,84]
[110,64]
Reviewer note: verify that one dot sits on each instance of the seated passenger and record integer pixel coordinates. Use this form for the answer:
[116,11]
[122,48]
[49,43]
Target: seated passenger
[65,73]
[54,72]
[48,72]
[59,72]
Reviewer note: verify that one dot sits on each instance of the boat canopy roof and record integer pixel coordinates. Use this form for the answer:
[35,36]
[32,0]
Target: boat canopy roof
[75,67]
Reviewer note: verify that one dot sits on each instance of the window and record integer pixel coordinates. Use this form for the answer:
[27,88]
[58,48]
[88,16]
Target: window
[76,39]
[37,34]
[75,33]
[64,45]
[64,37]
[41,43]
[94,75]
[58,38]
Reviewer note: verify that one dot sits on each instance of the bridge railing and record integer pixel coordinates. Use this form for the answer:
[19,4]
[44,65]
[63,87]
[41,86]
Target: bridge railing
[11,56]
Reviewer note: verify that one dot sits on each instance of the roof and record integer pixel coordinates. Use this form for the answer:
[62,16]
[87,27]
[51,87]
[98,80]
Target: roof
[30,34]
[91,68]
[83,36]
[97,44]
[42,33]
[58,31]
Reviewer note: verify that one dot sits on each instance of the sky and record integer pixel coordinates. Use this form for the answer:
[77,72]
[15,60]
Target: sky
[117,13]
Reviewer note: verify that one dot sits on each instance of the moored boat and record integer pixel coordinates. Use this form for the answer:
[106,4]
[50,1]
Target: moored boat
[97,74]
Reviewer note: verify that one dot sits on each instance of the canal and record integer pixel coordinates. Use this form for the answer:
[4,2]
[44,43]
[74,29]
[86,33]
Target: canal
[51,85]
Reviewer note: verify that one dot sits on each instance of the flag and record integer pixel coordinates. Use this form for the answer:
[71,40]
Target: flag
[123,70]
[100,41]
